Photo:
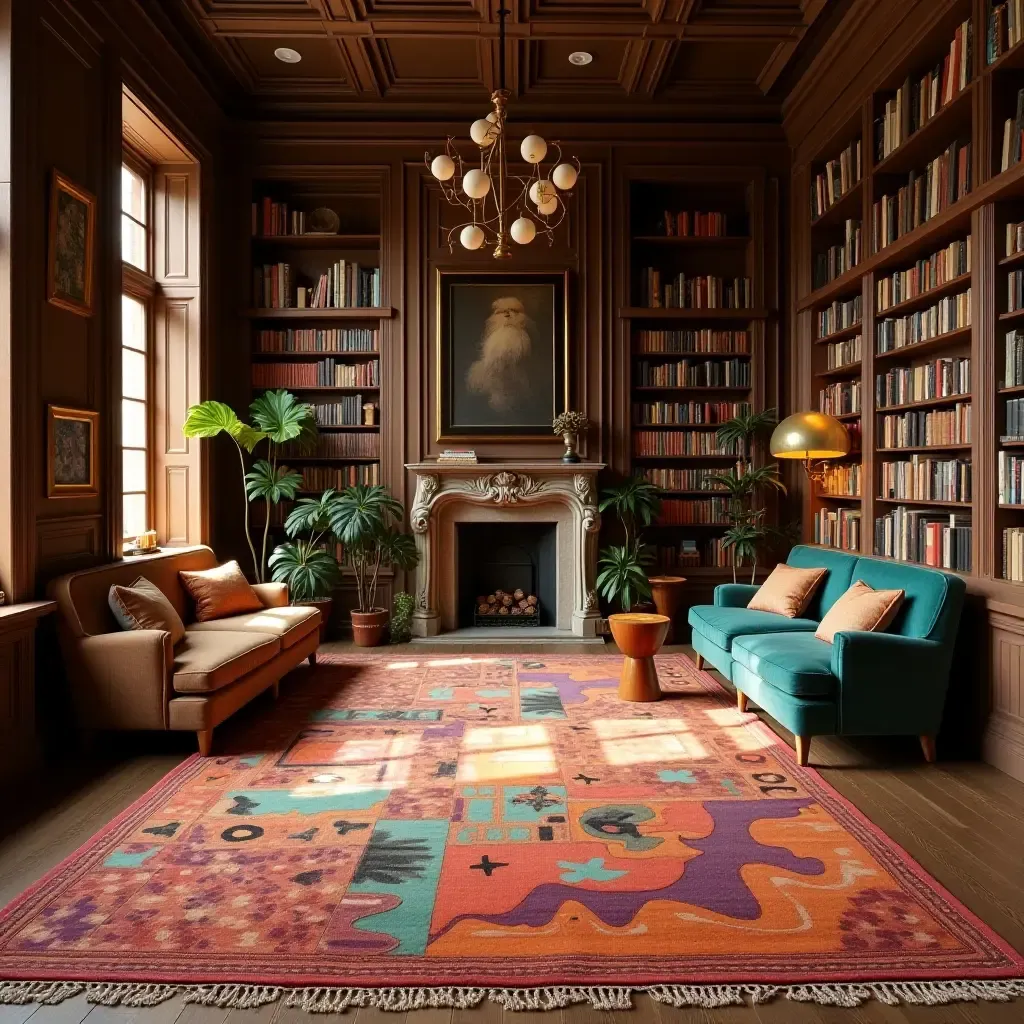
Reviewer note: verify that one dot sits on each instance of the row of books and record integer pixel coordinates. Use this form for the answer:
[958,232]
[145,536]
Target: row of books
[357,444]
[948,314]
[270,218]
[319,478]
[350,411]
[1013,136]
[1013,365]
[842,353]
[840,399]
[686,554]
[333,339]
[680,479]
[681,512]
[840,315]
[1014,420]
[344,285]
[926,478]
[1014,236]
[838,528]
[951,262]
[703,342]
[679,442]
[841,257]
[1011,478]
[1013,554]
[944,181]
[1005,28]
[713,373]
[843,479]
[694,224]
[917,428]
[688,412]
[324,373]
[1015,290]
[701,292]
[930,538]
[835,179]
[940,378]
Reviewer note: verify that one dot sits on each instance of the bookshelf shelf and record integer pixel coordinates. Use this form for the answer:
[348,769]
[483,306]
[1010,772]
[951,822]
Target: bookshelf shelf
[676,426]
[926,403]
[848,205]
[292,357]
[928,298]
[317,387]
[848,417]
[692,387]
[940,341]
[922,502]
[1017,389]
[844,286]
[672,313]
[1011,508]
[844,332]
[926,448]
[691,355]
[684,458]
[838,497]
[346,313]
[365,428]
[1015,314]
[849,370]
[315,241]
[695,241]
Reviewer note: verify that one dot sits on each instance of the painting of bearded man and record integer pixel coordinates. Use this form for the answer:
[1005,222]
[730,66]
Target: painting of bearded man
[501,354]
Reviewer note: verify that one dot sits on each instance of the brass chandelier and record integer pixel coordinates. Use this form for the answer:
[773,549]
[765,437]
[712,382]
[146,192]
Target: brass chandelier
[504,206]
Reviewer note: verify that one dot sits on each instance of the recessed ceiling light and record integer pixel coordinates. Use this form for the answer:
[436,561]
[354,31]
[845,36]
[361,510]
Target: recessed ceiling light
[288,55]
[580,57]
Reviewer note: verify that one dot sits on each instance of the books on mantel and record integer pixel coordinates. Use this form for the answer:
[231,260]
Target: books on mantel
[458,457]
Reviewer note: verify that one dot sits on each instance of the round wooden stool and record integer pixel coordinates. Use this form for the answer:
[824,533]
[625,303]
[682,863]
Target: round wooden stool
[639,637]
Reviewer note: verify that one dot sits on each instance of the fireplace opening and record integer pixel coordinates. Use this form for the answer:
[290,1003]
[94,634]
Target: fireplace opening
[509,557]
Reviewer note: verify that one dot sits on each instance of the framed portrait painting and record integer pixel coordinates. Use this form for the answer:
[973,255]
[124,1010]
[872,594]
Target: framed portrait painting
[70,250]
[72,452]
[502,355]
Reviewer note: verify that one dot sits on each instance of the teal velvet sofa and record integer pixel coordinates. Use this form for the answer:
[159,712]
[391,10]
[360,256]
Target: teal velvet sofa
[865,684]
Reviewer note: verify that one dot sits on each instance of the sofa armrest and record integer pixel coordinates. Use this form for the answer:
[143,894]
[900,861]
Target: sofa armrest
[889,683]
[734,595]
[124,680]
[273,595]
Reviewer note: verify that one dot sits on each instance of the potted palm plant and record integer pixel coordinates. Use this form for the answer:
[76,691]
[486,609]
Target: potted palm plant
[365,518]
[278,418]
[307,563]
[623,568]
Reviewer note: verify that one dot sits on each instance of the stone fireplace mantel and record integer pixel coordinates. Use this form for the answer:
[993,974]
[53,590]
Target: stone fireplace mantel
[529,491]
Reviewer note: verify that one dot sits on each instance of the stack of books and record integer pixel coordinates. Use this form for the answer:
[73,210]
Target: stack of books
[458,456]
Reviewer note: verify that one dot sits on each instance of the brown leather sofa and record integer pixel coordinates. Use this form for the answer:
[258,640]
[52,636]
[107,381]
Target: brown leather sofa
[134,679]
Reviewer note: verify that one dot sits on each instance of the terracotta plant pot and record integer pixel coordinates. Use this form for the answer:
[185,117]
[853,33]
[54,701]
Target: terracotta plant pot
[667,592]
[325,604]
[368,627]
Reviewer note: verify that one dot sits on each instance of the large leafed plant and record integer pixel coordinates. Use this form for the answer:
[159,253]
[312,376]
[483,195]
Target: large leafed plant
[623,568]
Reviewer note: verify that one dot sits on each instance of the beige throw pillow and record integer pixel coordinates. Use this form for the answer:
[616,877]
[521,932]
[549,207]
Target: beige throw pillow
[860,608]
[144,606]
[220,592]
[787,591]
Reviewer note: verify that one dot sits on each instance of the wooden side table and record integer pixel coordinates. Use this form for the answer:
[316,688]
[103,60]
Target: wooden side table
[639,636]
[667,593]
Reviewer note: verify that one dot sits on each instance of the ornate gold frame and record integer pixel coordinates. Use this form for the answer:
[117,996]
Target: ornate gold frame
[59,183]
[90,489]
[439,434]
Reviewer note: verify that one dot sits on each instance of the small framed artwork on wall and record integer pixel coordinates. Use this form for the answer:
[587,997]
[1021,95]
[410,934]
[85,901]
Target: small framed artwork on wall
[70,251]
[72,452]
[502,355]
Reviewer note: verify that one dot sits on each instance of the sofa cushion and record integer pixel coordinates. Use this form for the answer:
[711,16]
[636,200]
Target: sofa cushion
[787,591]
[836,582]
[796,663]
[289,623]
[926,591]
[722,625]
[220,592]
[144,605]
[860,609]
[209,659]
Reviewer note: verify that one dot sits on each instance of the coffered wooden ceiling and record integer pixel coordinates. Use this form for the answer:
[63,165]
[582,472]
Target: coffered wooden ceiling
[439,58]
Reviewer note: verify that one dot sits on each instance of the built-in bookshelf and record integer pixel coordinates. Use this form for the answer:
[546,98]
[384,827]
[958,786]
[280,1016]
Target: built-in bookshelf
[694,315]
[930,322]
[317,307]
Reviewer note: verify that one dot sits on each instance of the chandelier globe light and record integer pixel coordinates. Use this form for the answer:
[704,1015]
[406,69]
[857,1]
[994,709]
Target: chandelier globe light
[503,207]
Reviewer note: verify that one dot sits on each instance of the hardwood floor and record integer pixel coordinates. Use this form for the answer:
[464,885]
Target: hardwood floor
[963,821]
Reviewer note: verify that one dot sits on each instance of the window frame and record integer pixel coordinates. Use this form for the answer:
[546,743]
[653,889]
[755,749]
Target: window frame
[141,286]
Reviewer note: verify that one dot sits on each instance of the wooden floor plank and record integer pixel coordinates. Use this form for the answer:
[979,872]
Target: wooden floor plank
[71,1011]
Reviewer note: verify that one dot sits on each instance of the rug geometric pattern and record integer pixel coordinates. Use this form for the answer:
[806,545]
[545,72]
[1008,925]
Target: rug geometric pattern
[488,820]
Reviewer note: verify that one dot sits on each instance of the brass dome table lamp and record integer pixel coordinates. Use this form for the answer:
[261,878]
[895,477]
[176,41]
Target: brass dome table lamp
[813,437]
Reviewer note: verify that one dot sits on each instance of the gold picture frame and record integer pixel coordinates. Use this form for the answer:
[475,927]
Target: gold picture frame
[535,291]
[71,246]
[72,452]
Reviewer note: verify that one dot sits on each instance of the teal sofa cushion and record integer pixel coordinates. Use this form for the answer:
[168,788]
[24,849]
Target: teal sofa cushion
[795,663]
[928,593]
[837,580]
[722,625]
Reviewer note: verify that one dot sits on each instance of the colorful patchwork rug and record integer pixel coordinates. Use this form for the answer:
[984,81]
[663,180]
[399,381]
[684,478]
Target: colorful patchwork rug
[422,831]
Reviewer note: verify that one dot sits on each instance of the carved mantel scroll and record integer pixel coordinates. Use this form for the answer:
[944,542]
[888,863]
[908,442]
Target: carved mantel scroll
[506,488]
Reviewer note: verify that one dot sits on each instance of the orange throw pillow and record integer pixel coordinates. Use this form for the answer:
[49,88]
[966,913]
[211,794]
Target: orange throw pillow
[220,592]
[860,608]
[787,591]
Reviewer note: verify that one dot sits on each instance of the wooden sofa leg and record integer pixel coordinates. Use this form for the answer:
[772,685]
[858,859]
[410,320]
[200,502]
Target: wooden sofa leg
[205,737]
[312,658]
[803,749]
[275,690]
[928,748]
[741,701]
[700,661]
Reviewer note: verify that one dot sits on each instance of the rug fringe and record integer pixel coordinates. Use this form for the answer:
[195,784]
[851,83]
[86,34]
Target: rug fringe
[555,997]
